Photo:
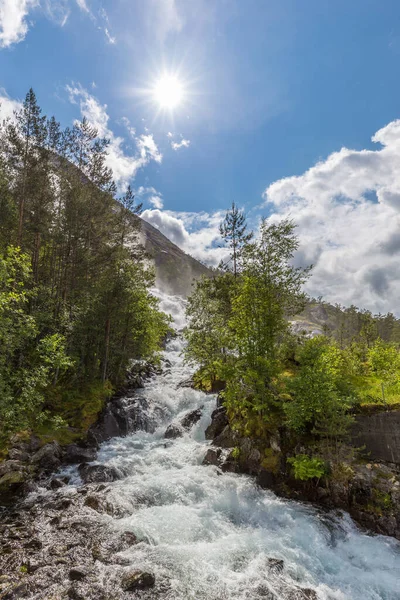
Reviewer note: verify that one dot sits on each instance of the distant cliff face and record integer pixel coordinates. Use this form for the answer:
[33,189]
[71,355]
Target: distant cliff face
[175,270]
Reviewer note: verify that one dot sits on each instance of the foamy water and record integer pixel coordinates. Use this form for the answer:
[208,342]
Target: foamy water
[210,535]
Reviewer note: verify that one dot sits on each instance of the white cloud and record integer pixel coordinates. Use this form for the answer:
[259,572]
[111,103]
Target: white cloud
[124,166]
[8,106]
[347,208]
[13,25]
[106,28]
[156,202]
[82,5]
[57,11]
[151,195]
[170,135]
[196,233]
[182,144]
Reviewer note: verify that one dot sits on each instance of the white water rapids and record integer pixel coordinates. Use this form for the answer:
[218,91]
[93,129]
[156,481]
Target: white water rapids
[210,534]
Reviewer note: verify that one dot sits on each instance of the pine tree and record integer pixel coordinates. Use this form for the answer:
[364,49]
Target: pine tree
[233,231]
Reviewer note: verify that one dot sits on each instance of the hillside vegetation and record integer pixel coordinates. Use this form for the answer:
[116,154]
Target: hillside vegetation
[75,306]
[249,333]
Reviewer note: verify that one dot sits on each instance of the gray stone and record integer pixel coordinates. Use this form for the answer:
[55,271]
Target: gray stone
[99,473]
[137,580]
[191,418]
[77,574]
[212,457]
[173,431]
[219,421]
[78,454]
[48,458]
[227,438]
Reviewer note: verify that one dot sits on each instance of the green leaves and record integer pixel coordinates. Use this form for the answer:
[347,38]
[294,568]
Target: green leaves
[305,468]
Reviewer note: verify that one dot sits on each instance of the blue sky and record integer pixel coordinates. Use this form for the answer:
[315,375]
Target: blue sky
[273,90]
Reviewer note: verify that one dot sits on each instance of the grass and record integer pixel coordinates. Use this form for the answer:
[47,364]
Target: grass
[370,392]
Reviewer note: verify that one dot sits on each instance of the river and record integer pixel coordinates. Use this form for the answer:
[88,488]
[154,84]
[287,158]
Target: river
[207,535]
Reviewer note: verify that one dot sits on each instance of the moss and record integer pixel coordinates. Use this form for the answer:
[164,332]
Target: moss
[77,409]
[271,461]
[382,499]
[341,472]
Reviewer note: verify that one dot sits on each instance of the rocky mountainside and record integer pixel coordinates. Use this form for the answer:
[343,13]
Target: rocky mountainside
[175,270]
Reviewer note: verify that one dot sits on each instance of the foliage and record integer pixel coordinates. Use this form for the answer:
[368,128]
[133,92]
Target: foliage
[305,467]
[322,392]
[233,230]
[75,302]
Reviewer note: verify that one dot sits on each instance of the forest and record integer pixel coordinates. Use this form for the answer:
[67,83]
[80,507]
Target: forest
[241,338]
[75,301]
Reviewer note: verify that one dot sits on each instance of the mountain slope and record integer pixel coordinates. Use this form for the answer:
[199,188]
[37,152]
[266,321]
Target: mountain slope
[175,270]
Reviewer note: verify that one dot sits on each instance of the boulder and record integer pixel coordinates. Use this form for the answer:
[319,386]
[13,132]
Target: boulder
[56,484]
[219,421]
[18,454]
[191,418]
[79,454]
[48,458]
[227,438]
[137,580]
[275,565]
[77,574]
[173,431]
[212,457]
[128,539]
[98,473]
[186,383]
[12,484]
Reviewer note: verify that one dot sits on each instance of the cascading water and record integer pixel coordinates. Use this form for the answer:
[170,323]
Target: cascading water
[207,535]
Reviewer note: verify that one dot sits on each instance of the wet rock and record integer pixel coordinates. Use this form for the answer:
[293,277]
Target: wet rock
[101,506]
[264,592]
[18,454]
[13,483]
[99,473]
[173,431]
[20,591]
[56,484]
[187,383]
[48,458]
[34,544]
[191,418]
[212,457]
[93,502]
[307,594]
[275,565]
[8,466]
[78,454]
[226,439]
[77,574]
[219,421]
[74,593]
[128,539]
[137,580]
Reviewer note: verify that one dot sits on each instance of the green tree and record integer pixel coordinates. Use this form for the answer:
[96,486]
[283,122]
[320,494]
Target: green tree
[233,230]
[322,391]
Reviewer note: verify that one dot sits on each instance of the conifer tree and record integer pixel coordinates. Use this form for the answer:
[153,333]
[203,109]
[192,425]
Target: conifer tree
[233,230]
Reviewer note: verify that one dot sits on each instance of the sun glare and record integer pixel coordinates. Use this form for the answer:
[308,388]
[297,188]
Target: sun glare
[168,92]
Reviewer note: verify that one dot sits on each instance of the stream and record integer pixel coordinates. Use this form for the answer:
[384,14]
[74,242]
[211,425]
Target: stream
[207,535]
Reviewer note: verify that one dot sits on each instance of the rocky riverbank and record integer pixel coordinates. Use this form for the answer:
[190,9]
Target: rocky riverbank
[369,491]
[30,462]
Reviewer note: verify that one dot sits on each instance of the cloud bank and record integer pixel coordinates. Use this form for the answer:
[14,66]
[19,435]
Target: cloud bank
[14,16]
[13,24]
[347,209]
[196,233]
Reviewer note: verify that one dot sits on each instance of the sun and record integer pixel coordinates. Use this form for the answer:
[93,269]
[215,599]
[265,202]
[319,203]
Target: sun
[168,92]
